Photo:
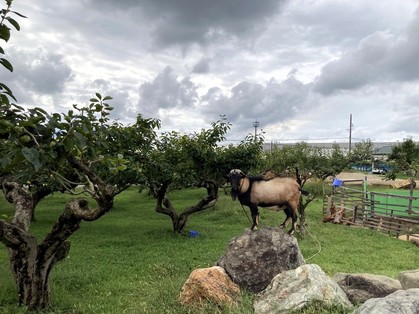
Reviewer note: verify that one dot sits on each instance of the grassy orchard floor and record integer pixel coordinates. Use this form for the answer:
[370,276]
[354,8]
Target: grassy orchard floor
[129,261]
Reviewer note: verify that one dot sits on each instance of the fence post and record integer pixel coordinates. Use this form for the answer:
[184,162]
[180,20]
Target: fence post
[412,187]
[355,212]
[372,206]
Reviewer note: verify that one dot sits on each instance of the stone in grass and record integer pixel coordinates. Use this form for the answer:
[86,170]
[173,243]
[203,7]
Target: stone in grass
[409,279]
[209,285]
[255,257]
[361,286]
[295,289]
[400,302]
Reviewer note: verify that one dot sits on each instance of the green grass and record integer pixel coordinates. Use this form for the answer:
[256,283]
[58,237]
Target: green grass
[394,205]
[130,261]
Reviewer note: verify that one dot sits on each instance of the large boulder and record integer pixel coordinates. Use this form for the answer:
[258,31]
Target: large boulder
[361,287]
[294,289]
[400,302]
[409,279]
[255,257]
[209,284]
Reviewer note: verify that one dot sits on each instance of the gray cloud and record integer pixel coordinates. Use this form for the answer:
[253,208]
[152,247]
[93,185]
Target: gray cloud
[183,22]
[273,101]
[202,66]
[379,57]
[40,71]
[166,91]
[37,73]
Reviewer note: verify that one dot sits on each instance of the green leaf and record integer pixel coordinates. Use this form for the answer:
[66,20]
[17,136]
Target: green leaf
[1,50]
[6,64]
[121,167]
[4,32]
[18,14]
[80,138]
[32,155]
[4,99]
[14,23]
[107,98]
[99,96]
[4,86]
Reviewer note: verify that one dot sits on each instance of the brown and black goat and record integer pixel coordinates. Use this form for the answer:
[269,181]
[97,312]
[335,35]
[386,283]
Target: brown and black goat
[277,193]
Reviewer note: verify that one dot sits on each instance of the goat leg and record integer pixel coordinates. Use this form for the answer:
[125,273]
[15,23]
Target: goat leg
[288,216]
[294,224]
[255,217]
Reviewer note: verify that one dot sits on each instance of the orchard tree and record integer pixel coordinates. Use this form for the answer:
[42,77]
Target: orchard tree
[311,161]
[404,158]
[363,152]
[127,149]
[246,156]
[195,160]
[183,161]
[35,145]
[42,151]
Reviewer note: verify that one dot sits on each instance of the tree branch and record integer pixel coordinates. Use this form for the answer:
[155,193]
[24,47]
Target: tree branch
[103,193]
[13,236]
[201,205]
[75,211]
[22,201]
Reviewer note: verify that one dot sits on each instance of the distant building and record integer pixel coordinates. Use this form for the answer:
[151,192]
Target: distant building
[381,150]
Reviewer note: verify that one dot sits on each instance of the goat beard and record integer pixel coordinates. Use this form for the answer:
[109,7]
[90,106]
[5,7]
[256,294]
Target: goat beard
[234,194]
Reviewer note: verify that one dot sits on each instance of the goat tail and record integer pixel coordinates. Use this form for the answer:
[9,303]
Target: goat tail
[304,192]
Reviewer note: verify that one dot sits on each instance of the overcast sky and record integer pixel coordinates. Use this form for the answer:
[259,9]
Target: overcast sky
[299,67]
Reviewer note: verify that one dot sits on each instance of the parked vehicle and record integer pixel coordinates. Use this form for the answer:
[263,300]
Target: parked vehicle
[379,171]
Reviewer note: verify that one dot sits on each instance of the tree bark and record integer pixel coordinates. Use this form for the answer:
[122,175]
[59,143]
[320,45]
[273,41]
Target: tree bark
[164,206]
[31,263]
[301,212]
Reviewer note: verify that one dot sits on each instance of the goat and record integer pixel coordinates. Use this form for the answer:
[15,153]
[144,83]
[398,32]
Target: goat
[278,192]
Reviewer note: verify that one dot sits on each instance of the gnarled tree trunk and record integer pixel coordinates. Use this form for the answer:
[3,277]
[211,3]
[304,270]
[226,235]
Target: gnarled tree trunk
[31,263]
[164,206]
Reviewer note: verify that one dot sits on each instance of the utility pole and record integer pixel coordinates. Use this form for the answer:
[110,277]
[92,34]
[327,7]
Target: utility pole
[256,124]
[350,133]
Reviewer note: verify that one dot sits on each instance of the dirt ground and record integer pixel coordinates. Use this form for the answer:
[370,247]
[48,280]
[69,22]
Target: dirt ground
[374,179]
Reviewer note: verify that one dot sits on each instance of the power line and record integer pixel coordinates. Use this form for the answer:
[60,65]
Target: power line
[294,139]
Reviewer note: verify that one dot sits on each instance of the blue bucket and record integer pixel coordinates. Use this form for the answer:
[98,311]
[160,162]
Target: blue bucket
[337,182]
[193,234]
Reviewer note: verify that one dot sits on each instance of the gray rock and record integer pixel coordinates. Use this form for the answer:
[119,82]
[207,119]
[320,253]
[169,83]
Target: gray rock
[409,279]
[255,257]
[361,287]
[399,302]
[294,289]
